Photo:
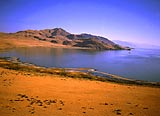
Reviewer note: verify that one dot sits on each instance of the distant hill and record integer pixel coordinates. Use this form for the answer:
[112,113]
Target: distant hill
[125,43]
[59,36]
[136,45]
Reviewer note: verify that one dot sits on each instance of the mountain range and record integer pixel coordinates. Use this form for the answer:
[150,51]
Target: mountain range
[137,45]
[59,36]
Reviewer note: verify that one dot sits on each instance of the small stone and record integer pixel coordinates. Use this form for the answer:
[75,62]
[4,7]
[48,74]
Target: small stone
[136,105]
[83,107]
[117,111]
[32,103]
[52,101]
[39,103]
[91,108]
[44,106]
[59,108]
[130,113]
[61,102]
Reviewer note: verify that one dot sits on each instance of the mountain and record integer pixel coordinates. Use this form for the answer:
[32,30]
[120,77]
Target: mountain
[136,45]
[59,36]
[125,43]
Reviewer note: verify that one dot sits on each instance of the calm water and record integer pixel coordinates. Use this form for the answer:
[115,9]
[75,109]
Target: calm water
[142,64]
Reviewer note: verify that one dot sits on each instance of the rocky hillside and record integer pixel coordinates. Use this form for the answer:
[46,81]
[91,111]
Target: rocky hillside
[59,36]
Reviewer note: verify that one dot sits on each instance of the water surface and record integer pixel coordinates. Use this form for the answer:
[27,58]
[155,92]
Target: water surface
[141,64]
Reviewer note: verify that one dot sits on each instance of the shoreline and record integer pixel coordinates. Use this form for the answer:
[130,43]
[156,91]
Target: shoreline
[85,73]
[30,90]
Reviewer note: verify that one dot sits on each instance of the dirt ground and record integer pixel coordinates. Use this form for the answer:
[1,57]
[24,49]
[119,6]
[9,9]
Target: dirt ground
[33,94]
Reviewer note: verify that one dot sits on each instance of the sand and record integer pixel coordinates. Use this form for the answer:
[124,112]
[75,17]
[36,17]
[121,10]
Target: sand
[35,94]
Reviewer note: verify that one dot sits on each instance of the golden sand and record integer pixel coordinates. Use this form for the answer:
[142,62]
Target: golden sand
[35,94]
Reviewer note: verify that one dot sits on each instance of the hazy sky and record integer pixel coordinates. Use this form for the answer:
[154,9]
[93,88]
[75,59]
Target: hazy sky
[129,20]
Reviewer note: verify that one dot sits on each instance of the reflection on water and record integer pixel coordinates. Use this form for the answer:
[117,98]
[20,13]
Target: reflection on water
[143,64]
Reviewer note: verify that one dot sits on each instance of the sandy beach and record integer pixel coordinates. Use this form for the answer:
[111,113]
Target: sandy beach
[38,94]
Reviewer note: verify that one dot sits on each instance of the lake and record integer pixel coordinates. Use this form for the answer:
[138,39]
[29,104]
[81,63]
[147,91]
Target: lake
[141,64]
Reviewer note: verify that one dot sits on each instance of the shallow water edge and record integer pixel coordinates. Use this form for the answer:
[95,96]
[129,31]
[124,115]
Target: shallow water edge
[14,63]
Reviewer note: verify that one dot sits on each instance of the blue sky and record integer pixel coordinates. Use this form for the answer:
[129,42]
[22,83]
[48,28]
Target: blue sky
[128,20]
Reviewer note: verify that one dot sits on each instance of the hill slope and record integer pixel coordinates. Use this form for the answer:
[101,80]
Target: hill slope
[60,37]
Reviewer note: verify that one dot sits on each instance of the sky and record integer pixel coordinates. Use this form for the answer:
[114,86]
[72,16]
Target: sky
[127,20]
